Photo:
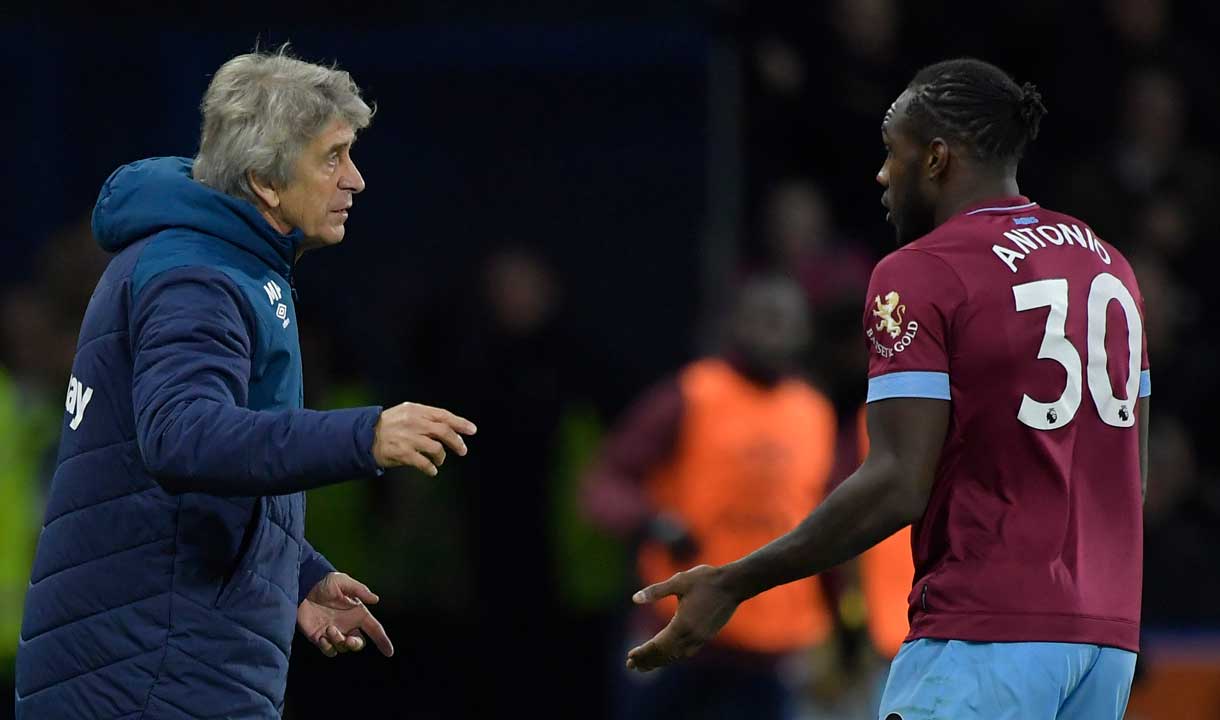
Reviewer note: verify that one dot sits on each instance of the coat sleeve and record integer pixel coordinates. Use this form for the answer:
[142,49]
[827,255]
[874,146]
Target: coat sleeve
[191,346]
[314,567]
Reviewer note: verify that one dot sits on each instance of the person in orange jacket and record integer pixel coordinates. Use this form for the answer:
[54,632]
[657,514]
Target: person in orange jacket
[730,453]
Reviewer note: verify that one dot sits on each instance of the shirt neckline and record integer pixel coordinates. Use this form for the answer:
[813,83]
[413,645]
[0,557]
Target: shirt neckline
[1000,206]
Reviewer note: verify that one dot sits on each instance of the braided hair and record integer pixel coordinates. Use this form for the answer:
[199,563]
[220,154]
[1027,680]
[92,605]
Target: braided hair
[977,104]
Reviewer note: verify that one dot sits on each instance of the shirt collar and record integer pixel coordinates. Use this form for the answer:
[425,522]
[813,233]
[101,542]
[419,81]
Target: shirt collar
[1000,206]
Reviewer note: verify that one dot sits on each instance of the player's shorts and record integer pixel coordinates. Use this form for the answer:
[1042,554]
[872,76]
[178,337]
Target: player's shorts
[956,680]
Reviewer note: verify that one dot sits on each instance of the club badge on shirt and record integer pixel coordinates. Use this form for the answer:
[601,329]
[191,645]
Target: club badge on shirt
[889,335]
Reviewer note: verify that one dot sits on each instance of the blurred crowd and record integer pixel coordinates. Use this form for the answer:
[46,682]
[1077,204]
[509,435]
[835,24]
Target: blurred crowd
[500,586]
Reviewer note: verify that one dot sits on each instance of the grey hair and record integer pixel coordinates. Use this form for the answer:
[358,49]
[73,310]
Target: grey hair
[261,109]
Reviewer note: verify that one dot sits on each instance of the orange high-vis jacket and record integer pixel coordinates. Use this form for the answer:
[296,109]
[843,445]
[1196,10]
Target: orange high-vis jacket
[886,574]
[749,464]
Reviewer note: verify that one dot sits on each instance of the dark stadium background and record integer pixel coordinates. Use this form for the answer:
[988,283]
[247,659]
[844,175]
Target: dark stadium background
[560,196]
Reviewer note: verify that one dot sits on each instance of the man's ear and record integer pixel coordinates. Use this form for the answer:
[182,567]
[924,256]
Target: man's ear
[938,158]
[264,190]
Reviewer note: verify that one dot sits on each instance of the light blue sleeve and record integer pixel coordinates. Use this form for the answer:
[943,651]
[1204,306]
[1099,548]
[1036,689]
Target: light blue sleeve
[1145,383]
[909,384]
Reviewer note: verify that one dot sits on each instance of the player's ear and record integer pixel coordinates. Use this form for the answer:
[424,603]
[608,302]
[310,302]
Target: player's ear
[937,161]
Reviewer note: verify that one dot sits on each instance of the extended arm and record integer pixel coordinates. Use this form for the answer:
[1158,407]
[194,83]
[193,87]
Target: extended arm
[887,492]
[192,349]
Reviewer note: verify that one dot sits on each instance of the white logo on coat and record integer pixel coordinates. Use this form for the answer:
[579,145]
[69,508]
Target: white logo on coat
[274,294]
[78,399]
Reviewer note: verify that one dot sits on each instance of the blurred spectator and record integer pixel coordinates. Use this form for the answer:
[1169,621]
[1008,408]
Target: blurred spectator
[1140,27]
[724,457]
[861,69]
[35,346]
[802,242]
[69,264]
[779,79]
[1173,310]
[510,369]
[1168,309]
[1182,529]
[27,430]
[41,316]
[1151,154]
[1127,35]
[866,53]
[38,323]
[503,351]
[1166,227]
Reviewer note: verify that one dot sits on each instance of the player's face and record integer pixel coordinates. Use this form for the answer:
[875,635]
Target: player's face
[325,179]
[907,196]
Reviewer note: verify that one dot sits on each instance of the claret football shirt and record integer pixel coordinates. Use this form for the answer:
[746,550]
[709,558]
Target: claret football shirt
[1031,326]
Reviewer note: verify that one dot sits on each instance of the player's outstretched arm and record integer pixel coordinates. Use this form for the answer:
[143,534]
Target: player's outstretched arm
[887,492]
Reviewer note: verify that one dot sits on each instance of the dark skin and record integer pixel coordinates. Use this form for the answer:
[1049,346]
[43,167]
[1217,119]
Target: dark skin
[926,182]
[768,329]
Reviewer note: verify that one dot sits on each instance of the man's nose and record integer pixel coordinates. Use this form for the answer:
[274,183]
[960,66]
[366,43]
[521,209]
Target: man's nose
[352,180]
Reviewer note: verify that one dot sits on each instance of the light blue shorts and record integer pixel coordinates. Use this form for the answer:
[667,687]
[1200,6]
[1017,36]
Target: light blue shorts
[956,680]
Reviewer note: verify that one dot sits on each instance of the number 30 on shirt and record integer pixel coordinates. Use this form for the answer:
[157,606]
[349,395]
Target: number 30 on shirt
[1053,293]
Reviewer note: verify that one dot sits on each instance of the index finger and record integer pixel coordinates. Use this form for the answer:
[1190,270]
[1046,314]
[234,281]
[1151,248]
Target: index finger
[372,627]
[353,588]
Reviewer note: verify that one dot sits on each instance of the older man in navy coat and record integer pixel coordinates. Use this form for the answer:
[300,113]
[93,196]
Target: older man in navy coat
[172,568]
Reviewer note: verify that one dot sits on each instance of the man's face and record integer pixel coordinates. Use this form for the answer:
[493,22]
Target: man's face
[908,194]
[770,327]
[324,180]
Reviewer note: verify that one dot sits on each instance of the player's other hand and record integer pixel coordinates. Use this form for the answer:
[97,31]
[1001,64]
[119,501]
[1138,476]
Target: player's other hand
[704,606]
[335,616]
[417,435]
